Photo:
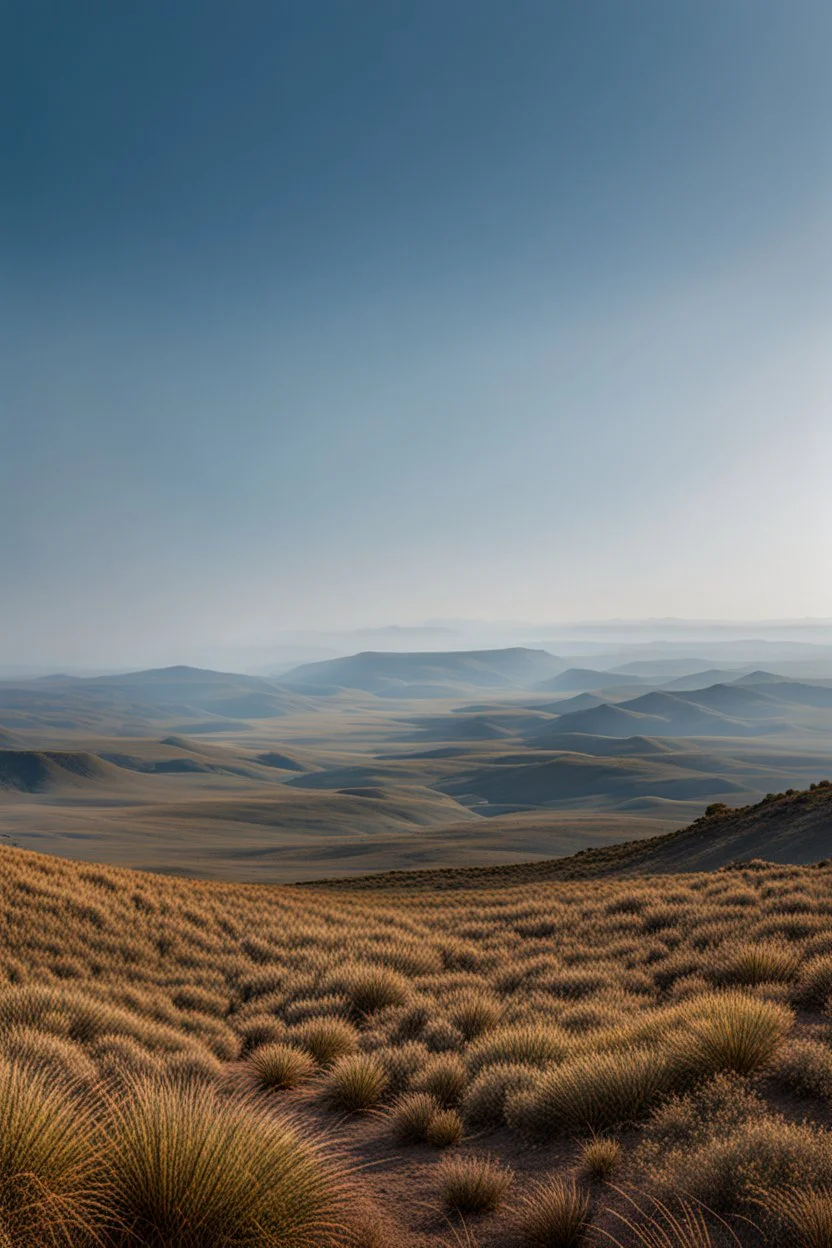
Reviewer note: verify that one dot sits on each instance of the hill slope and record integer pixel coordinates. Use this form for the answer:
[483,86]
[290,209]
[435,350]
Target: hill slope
[429,674]
[790,828]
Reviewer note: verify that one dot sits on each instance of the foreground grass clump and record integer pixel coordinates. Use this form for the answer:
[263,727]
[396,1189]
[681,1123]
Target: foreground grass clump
[51,1170]
[473,1184]
[553,1214]
[185,1167]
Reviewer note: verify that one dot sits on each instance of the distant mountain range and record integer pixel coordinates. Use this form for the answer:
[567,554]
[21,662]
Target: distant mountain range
[427,674]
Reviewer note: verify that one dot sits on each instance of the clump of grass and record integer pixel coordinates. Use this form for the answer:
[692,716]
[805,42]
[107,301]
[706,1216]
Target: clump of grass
[355,1083]
[325,1039]
[50,1160]
[402,1063]
[756,962]
[444,1129]
[600,1157]
[193,1063]
[799,1216]
[280,1066]
[526,1044]
[53,1056]
[445,1077]
[441,1036]
[484,1102]
[370,988]
[260,1030]
[595,1091]
[554,1213]
[412,1115]
[187,1167]
[474,1013]
[814,986]
[473,1184]
[738,1032]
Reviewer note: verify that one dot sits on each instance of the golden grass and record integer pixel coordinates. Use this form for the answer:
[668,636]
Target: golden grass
[554,1213]
[188,1168]
[678,1008]
[279,1066]
[473,1184]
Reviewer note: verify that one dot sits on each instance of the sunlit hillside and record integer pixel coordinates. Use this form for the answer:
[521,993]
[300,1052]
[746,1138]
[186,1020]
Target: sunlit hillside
[468,1060]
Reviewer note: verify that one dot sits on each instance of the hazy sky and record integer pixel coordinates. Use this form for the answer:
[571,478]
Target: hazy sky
[321,313]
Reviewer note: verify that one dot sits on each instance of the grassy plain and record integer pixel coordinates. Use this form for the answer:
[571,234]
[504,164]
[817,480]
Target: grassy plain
[465,1060]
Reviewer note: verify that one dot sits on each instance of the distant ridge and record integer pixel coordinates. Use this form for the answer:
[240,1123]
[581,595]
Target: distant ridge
[39,771]
[426,674]
[586,680]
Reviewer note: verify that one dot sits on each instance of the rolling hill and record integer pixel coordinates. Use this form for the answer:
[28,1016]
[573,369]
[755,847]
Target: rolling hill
[391,674]
[47,771]
[586,680]
[132,702]
[660,714]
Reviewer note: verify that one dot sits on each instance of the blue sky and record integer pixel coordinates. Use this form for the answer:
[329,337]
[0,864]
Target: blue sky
[326,314]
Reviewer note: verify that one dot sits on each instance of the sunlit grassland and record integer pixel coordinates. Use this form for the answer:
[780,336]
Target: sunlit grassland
[178,1058]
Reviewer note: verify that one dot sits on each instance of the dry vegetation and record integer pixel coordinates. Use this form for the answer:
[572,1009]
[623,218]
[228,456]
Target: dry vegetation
[639,1061]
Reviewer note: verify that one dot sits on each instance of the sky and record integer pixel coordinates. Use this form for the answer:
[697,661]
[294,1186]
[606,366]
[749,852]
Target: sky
[321,314]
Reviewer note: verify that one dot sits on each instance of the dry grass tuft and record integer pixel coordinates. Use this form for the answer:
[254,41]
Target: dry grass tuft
[51,1165]
[554,1213]
[189,1168]
[595,1091]
[731,1031]
[325,1039]
[473,1184]
[444,1129]
[412,1116]
[801,1216]
[445,1077]
[280,1066]
[355,1083]
[600,1157]
[686,1225]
